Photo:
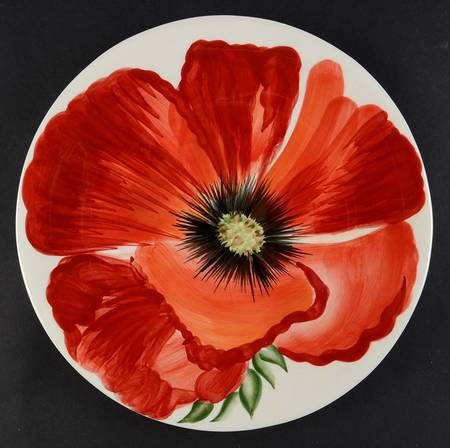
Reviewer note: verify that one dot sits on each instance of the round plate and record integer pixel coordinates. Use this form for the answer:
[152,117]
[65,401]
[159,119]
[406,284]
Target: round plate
[257,108]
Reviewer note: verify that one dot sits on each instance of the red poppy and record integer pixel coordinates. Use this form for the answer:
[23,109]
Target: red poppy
[194,178]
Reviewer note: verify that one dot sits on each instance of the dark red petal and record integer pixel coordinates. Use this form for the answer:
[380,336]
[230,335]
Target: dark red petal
[370,280]
[120,328]
[107,170]
[346,167]
[214,385]
[223,326]
[370,174]
[242,96]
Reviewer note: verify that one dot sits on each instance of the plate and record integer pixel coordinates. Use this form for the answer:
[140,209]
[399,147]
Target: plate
[224,223]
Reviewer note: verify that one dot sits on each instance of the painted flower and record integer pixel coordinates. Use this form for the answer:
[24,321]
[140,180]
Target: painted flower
[219,218]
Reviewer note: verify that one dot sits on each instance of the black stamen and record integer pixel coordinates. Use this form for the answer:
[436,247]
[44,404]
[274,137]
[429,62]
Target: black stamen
[256,201]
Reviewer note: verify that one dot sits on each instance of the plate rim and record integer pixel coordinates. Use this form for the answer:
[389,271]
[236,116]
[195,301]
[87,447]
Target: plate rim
[428,207]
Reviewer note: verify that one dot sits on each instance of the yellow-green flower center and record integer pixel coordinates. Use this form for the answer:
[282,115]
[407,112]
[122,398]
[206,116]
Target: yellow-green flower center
[241,234]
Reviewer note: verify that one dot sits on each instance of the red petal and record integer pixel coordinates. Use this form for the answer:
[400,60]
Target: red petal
[325,84]
[215,384]
[226,326]
[121,329]
[346,167]
[369,175]
[243,97]
[106,171]
[370,281]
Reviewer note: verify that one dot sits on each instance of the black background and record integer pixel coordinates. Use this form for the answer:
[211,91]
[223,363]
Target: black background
[404,403]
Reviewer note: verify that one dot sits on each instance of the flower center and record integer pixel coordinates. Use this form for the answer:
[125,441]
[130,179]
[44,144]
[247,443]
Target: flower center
[241,234]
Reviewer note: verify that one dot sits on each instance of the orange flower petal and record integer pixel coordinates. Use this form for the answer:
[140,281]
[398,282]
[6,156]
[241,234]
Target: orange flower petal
[344,166]
[106,171]
[325,84]
[227,325]
[370,280]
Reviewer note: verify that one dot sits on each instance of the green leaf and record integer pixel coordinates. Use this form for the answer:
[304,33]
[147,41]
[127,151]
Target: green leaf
[227,405]
[263,369]
[250,391]
[272,355]
[199,411]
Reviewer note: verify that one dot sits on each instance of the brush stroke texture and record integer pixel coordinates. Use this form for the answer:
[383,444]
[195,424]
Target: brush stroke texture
[225,326]
[370,279]
[118,326]
[131,150]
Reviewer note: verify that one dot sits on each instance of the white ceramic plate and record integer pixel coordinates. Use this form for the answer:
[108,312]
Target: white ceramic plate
[306,387]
